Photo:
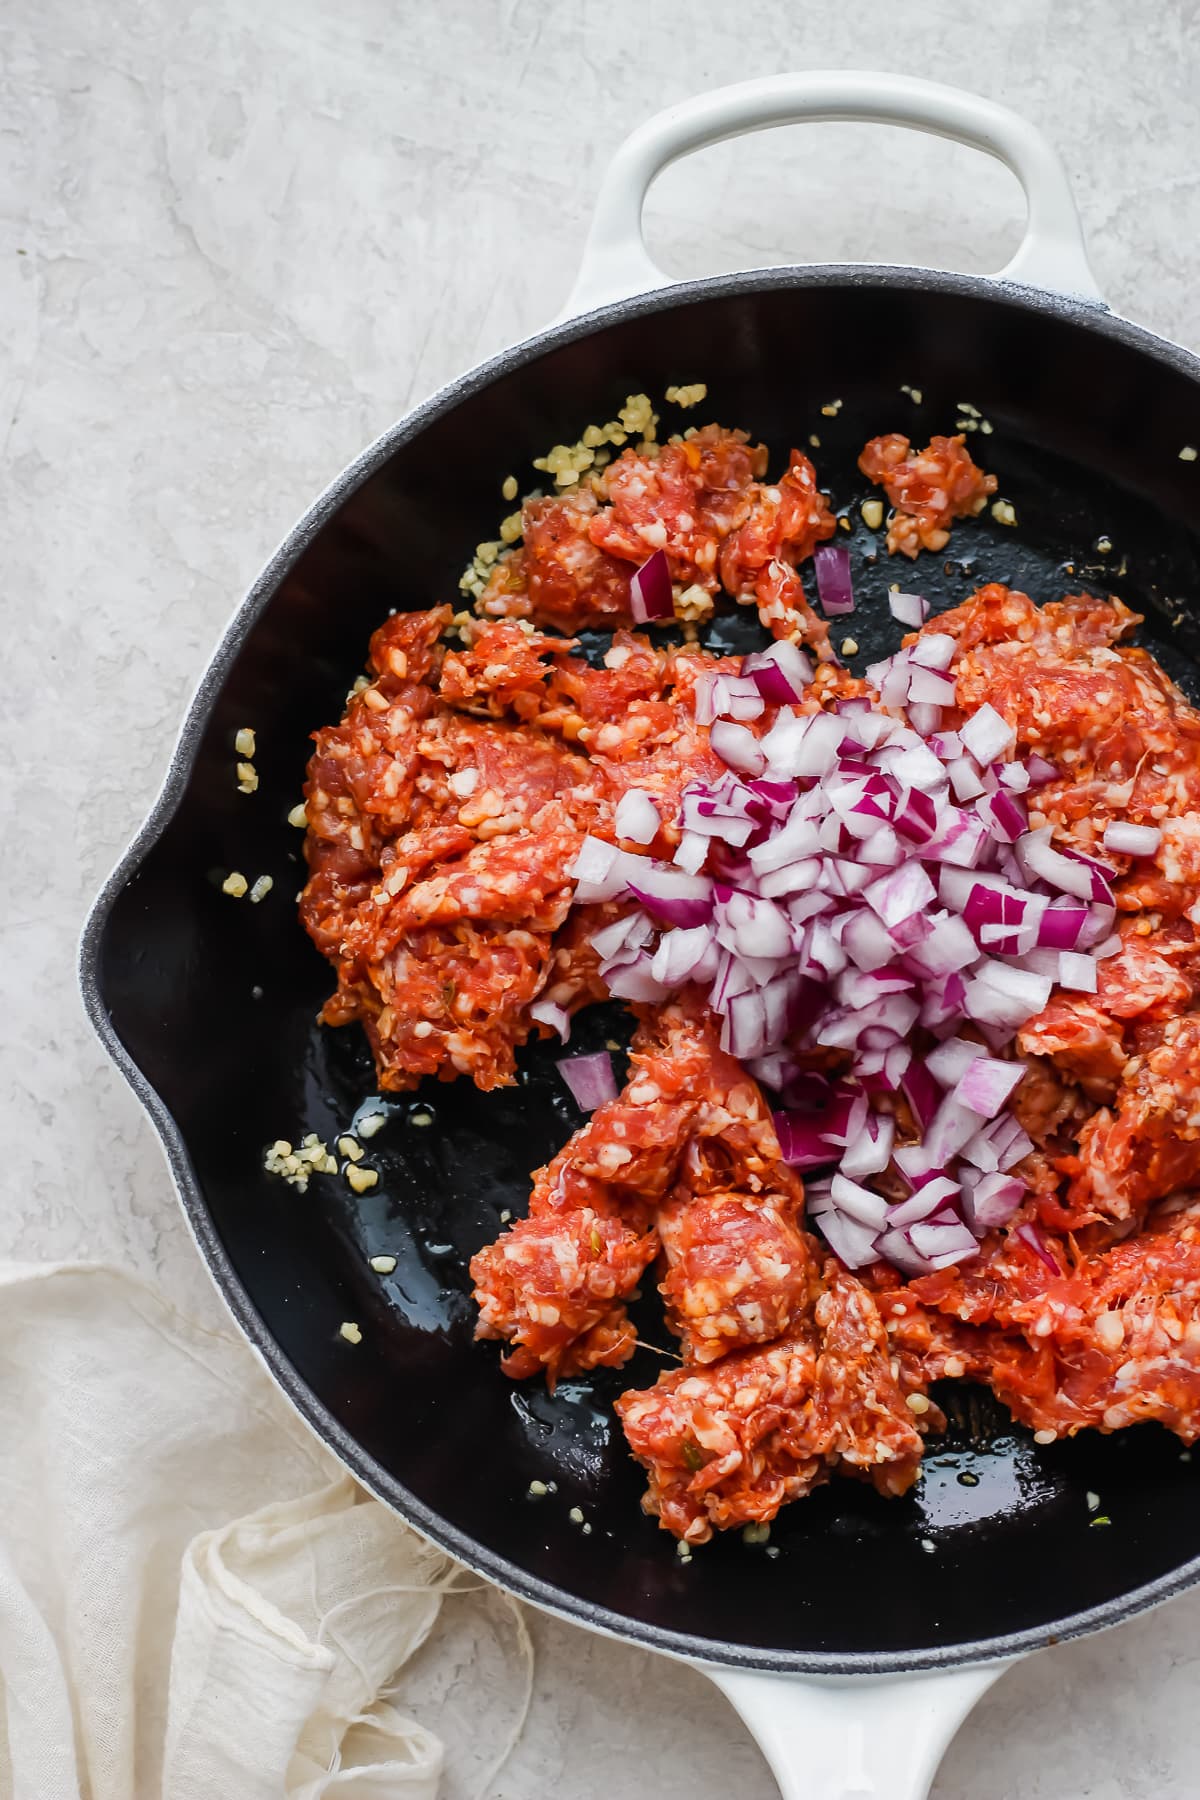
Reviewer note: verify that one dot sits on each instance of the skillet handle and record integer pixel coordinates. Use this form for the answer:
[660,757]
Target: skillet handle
[854,1739]
[617,264]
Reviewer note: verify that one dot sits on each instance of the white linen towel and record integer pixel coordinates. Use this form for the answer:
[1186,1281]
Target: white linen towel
[161,1630]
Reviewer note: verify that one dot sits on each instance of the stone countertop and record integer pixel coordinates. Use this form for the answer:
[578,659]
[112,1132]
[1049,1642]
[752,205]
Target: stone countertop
[235,243]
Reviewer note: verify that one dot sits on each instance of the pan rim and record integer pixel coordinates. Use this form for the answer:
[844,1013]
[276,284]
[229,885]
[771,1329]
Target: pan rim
[556,1601]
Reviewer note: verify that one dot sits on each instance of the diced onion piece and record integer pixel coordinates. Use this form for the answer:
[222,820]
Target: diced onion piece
[1014,776]
[986,1084]
[650,592]
[1077,972]
[853,1243]
[590,1079]
[737,747]
[927,1199]
[636,817]
[781,673]
[964,778]
[1029,1234]
[949,1062]
[932,650]
[928,687]
[909,609]
[802,1142]
[688,953]
[671,895]
[895,1246]
[922,1092]
[731,697]
[944,1244]
[692,852]
[1069,874]
[1039,770]
[924,717]
[1061,924]
[998,994]
[871,1151]
[991,1201]
[859,1202]
[601,871]
[544,1012]
[986,735]
[1132,840]
[623,937]
[1003,815]
[834,586]
[901,893]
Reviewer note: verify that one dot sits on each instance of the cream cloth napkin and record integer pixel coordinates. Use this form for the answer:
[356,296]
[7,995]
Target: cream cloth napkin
[161,1630]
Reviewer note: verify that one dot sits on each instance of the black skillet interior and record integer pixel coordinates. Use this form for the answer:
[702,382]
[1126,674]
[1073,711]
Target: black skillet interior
[213,999]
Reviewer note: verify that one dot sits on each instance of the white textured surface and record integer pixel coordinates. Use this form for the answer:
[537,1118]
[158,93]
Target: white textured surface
[235,242]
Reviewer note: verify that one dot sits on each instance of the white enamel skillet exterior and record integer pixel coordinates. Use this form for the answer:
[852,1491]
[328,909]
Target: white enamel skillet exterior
[851,1738]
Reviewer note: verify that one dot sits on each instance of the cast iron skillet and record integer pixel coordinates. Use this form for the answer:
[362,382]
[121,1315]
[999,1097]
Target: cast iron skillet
[208,1004]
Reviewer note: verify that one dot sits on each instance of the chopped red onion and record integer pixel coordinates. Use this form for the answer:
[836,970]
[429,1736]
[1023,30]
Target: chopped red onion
[924,717]
[623,937]
[928,688]
[737,747]
[926,1201]
[781,673]
[691,853]
[986,735]
[636,817]
[859,1203]
[1060,925]
[687,954]
[922,1092]
[899,894]
[933,650]
[1077,972]
[802,1144]
[1003,815]
[590,1079]
[556,1017]
[908,609]
[729,697]
[1029,1234]
[650,593]
[916,766]
[896,1248]
[1039,770]
[821,925]
[1042,862]
[751,926]
[986,1084]
[1132,840]
[948,947]
[954,1241]
[632,979]
[1014,776]
[871,1151]
[834,586]
[998,994]
[949,1062]
[601,871]
[991,1201]
[671,895]
[852,1242]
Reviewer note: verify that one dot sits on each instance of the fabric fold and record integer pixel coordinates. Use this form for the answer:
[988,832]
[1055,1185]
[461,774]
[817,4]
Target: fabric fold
[161,1630]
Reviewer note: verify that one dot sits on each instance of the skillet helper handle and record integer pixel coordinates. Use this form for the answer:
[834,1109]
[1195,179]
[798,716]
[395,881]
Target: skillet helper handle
[617,264]
[858,1739]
